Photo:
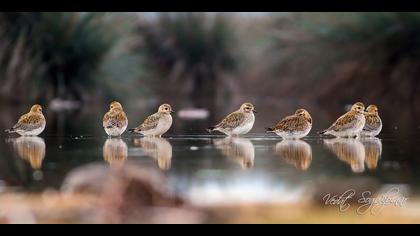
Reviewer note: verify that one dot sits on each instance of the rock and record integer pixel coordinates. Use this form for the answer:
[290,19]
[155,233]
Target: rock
[131,193]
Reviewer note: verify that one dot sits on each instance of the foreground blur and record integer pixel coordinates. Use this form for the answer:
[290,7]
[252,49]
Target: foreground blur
[202,179]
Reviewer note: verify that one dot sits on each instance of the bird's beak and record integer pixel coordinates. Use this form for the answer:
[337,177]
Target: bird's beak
[254,111]
[172,112]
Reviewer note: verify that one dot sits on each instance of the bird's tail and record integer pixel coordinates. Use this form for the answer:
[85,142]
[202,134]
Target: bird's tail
[210,129]
[10,131]
[323,132]
[269,130]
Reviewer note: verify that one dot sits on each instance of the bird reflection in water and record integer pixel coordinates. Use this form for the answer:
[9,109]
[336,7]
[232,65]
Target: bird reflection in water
[373,150]
[30,149]
[157,148]
[348,150]
[239,149]
[295,152]
[115,151]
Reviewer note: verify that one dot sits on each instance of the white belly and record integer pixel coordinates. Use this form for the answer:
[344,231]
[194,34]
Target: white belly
[244,128]
[294,135]
[115,131]
[344,134]
[372,133]
[34,132]
[163,126]
[356,130]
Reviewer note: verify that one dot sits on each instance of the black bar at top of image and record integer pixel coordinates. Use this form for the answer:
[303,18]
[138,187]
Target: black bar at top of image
[214,5]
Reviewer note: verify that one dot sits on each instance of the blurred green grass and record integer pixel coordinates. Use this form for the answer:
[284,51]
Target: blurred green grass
[211,59]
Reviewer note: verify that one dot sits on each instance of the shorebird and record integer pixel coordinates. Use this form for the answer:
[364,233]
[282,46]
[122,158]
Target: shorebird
[350,124]
[293,127]
[373,124]
[115,121]
[30,124]
[157,124]
[237,123]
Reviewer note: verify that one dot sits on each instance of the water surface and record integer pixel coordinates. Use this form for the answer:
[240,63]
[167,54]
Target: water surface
[216,169]
[209,169]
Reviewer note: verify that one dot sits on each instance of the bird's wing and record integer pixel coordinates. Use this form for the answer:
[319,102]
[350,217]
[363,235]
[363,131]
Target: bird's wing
[232,121]
[151,122]
[29,122]
[345,122]
[372,122]
[112,119]
[290,123]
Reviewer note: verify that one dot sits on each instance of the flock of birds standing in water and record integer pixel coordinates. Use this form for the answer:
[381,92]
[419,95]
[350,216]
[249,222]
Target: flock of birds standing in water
[355,123]
[358,122]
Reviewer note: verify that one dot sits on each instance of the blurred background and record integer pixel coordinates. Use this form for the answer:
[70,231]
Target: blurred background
[75,64]
[205,65]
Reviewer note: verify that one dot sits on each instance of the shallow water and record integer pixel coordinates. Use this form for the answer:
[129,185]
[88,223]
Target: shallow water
[215,169]
[208,169]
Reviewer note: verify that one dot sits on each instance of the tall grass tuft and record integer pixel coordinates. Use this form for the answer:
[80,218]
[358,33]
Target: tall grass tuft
[190,51]
[370,56]
[49,55]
